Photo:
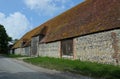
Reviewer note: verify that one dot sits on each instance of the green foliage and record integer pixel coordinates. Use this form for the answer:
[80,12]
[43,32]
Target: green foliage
[76,66]
[14,41]
[4,39]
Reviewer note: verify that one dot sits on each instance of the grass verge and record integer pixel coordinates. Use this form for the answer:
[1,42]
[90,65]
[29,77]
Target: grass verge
[76,66]
[14,56]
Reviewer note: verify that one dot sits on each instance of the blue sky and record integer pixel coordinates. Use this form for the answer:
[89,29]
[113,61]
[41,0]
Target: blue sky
[20,16]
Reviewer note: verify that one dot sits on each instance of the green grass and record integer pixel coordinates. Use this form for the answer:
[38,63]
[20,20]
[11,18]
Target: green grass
[76,66]
[14,56]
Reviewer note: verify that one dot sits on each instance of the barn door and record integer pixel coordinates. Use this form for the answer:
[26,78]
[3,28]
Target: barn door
[67,47]
[34,46]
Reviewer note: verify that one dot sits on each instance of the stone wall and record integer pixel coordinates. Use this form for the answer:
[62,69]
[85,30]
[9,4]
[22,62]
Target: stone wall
[101,47]
[18,51]
[25,51]
[22,51]
[50,49]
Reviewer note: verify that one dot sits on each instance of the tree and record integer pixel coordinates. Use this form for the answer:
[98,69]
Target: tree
[4,39]
[14,41]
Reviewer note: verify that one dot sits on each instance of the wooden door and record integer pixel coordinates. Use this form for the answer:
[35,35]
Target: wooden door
[34,46]
[67,47]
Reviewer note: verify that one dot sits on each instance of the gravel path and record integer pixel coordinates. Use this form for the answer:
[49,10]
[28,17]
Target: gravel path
[16,69]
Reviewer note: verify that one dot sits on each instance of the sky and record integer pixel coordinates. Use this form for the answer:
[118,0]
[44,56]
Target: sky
[21,16]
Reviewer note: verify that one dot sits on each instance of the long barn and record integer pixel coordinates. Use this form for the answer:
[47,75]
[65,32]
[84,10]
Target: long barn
[89,31]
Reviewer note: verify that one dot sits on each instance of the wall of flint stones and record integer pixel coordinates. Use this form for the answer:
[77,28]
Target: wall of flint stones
[26,51]
[49,49]
[101,47]
[22,51]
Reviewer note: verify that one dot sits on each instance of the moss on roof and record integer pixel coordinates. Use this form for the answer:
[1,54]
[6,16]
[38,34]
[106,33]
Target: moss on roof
[27,36]
[88,17]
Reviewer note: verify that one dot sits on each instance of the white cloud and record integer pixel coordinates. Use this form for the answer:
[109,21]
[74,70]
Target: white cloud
[16,24]
[47,7]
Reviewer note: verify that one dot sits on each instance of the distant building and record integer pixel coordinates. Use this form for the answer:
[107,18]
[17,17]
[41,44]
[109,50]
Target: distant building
[89,31]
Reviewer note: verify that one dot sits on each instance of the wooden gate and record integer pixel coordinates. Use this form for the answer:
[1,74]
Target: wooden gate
[67,47]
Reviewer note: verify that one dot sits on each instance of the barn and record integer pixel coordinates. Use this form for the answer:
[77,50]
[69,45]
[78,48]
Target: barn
[89,31]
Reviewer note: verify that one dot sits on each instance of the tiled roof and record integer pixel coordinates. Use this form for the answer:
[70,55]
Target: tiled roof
[88,17]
